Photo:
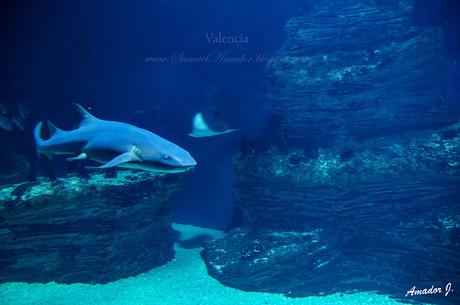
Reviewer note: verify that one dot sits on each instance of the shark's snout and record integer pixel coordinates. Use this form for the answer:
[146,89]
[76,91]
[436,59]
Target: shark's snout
[186,161]
[190,163]
[174,159]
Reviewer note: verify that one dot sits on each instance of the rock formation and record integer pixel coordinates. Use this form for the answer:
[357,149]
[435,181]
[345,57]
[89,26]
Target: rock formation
[93,230]
[357,187]
[379,215]
[358,69]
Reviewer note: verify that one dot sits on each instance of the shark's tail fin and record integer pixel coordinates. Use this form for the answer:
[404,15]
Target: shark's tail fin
[40,143]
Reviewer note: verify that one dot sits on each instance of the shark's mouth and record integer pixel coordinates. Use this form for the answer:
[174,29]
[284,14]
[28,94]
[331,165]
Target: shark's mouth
[157,167]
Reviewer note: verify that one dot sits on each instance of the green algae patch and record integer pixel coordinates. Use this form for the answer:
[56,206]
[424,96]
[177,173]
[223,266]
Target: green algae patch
[94,229]
[74,186]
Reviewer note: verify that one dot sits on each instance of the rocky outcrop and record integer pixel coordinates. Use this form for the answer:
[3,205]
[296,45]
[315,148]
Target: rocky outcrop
[358,69]
[93,230]
[376,215]
[394,174]
[322,262]
[357,186]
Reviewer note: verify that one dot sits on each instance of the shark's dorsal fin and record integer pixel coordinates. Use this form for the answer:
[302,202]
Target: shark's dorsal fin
[84,117]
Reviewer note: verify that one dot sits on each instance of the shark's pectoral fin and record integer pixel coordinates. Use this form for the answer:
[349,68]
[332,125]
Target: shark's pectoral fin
[227,131]
[79,157]
[209,133]
[117,161]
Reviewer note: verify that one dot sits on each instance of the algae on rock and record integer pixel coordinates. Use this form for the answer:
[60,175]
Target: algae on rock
[93,230]
[365,157]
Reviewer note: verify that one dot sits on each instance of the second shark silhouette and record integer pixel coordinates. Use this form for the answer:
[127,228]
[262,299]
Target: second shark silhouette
[201,129]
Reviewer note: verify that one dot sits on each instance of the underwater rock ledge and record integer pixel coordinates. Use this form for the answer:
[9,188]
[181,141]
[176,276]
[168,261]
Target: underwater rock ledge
[356,186]
[379,215]
[393,174]
[358,69]
[94,230]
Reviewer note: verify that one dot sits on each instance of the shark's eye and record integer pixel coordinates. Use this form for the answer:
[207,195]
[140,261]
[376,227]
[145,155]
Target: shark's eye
[166,157]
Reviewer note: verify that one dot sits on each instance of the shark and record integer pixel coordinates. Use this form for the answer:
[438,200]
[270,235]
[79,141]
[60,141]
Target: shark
[200,128]
[114,144]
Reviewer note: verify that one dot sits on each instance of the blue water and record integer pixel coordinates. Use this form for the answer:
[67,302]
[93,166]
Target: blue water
[55,53]
[94,54]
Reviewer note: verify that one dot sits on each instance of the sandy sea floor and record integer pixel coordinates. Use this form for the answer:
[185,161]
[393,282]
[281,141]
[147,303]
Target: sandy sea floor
[183,281]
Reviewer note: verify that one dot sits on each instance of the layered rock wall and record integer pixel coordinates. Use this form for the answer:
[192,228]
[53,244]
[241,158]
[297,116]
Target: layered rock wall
[92,230]
[358,187]
[358,70]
